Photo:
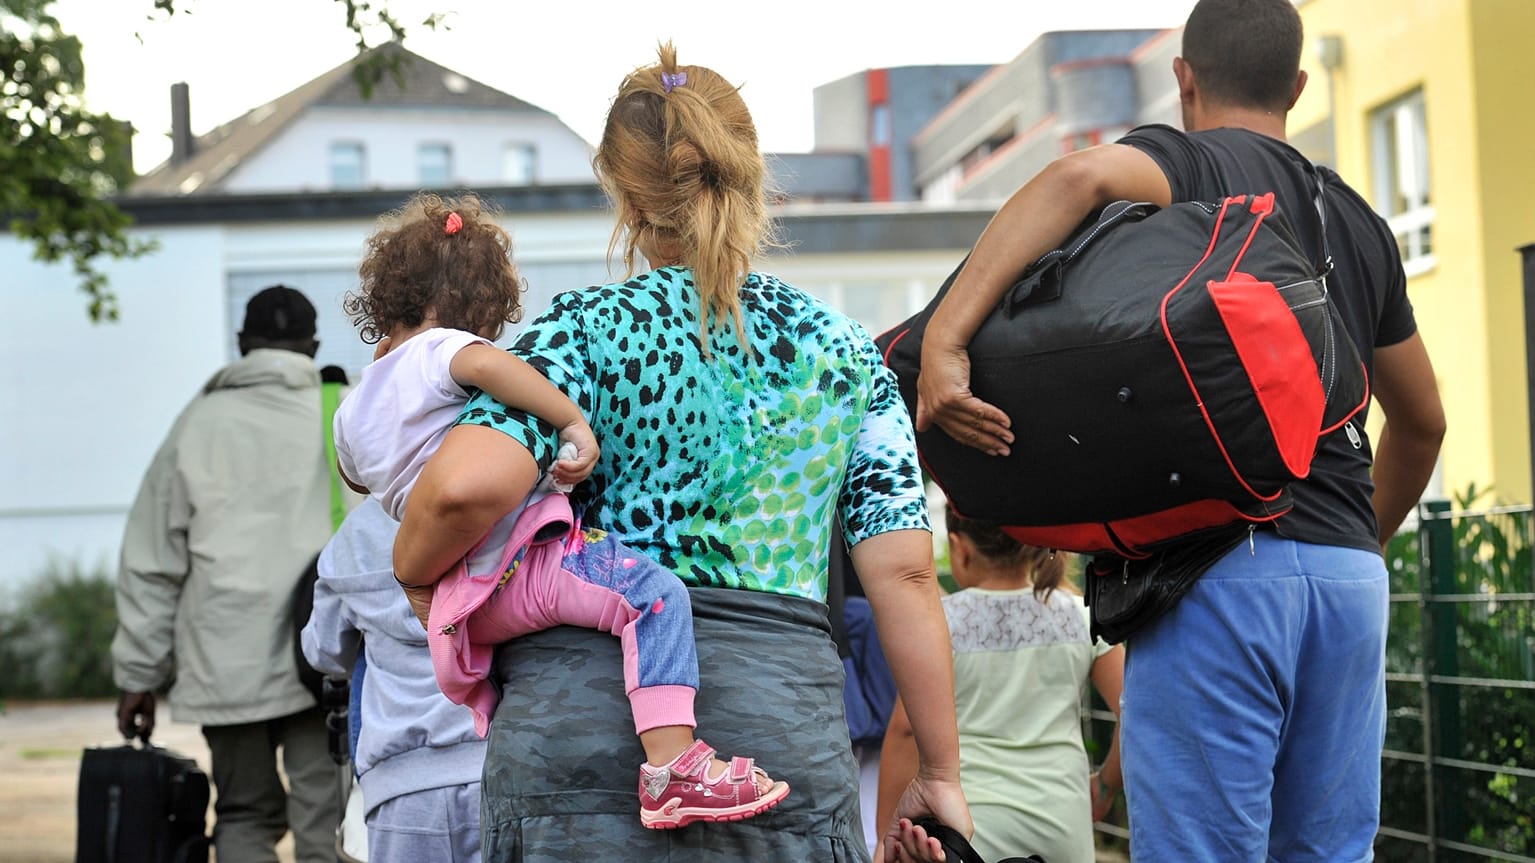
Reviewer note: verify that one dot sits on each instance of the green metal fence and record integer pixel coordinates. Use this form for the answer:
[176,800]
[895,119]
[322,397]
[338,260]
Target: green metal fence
[1458,770]
[1458,773]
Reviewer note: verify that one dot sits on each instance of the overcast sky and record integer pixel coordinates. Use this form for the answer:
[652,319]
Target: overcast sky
[566,56]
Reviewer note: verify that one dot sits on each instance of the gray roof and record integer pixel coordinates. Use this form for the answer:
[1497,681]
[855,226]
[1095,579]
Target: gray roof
[219,152]
[807,228]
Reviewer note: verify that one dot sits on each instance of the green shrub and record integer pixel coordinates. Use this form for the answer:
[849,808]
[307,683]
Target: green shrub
[56,640]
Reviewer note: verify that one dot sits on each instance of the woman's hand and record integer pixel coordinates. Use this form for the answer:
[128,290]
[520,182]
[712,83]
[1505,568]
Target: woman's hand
[944,800]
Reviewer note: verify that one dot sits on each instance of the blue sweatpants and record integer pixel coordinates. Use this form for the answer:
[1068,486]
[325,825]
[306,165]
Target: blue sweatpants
[441,825]
[1254,711]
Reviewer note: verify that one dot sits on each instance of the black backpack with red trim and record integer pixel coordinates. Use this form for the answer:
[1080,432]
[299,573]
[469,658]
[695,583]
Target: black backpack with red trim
[1169,371]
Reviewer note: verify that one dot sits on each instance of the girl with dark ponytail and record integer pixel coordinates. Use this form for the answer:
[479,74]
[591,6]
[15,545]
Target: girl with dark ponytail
[1022,656]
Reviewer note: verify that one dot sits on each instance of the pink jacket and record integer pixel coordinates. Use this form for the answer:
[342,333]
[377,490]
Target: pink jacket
[470,616]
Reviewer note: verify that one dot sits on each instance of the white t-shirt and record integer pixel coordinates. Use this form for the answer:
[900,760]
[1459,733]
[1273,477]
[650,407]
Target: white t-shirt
[394,419]
[1020,669]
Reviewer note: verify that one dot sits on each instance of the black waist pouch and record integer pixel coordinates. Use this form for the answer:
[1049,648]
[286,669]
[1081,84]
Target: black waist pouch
[1124,595]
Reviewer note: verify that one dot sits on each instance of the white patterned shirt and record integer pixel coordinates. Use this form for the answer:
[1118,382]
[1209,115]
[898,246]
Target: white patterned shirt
[1020,667]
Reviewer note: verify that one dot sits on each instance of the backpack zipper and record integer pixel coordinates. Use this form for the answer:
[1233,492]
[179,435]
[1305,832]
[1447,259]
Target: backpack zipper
[1070,253]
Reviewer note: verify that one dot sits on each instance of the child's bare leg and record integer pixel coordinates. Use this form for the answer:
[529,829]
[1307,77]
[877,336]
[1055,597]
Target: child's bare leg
[663,744]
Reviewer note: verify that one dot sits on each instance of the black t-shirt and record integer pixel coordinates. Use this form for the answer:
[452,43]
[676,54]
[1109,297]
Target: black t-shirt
[1332,505]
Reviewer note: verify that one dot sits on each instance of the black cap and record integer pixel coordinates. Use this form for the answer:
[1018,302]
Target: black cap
[279,313]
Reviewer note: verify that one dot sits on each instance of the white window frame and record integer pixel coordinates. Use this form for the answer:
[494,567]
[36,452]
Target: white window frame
[1403,194]
[434,148]
[342,154]
[519,153]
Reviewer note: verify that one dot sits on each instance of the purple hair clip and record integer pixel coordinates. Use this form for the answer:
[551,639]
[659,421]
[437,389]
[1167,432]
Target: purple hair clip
[670,80]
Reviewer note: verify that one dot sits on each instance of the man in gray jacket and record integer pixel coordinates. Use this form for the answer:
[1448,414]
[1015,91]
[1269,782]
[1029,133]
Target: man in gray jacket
[233,507]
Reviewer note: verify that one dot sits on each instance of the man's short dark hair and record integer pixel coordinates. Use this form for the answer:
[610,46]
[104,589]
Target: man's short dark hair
[1244,53]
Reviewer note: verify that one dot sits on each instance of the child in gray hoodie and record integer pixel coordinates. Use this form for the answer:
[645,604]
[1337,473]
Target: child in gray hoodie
[418,755]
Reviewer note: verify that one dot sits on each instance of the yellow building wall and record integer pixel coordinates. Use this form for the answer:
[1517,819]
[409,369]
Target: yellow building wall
[1465,56]
[1503,78]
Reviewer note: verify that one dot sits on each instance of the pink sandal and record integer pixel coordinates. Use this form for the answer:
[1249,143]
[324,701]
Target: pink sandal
[682,792]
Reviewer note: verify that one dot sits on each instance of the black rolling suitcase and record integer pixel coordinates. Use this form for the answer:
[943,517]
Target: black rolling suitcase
[140,805]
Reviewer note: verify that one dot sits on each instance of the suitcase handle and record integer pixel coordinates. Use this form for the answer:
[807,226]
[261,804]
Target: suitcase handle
[114,820]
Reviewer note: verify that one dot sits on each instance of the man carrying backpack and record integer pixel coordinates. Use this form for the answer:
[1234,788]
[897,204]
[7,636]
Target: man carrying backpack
[1254,710]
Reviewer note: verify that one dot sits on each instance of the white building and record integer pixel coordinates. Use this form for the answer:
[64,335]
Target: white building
[431,128]
[287,193]
[1066,91]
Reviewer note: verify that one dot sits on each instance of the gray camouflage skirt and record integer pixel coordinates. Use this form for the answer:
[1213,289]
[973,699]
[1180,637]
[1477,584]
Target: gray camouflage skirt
[562,769]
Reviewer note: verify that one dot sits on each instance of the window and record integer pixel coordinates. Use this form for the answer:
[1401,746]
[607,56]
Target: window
[984,151]
[519,164]
[434,165]
[877,304]
[1399,140]
[348,165]
[880,133]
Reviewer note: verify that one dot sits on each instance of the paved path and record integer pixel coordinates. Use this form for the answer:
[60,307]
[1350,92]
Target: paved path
[40,745]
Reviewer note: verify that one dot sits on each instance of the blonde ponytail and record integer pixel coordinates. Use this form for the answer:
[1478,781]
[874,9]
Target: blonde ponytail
[680,161]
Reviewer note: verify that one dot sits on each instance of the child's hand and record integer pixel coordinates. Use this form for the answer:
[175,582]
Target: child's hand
[1103,795]
[570,471]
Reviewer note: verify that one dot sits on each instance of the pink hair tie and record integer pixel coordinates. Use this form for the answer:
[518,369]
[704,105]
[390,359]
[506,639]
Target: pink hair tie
[455,224]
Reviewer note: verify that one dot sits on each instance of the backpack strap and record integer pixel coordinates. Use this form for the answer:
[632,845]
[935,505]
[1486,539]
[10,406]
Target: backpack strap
[1321,214]
[330,400]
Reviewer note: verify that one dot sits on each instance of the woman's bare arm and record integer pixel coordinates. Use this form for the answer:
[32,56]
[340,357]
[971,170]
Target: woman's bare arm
[897,764]
[896,569]
[476,477]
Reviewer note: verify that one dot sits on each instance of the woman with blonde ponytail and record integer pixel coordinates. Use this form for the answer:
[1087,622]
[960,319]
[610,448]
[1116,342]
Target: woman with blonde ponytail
[692,189]
[740,420]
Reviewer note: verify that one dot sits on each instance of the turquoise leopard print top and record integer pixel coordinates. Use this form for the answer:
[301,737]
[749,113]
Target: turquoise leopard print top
[728,470]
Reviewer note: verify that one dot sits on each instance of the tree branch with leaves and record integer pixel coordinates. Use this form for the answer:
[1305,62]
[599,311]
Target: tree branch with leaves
[61,164]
